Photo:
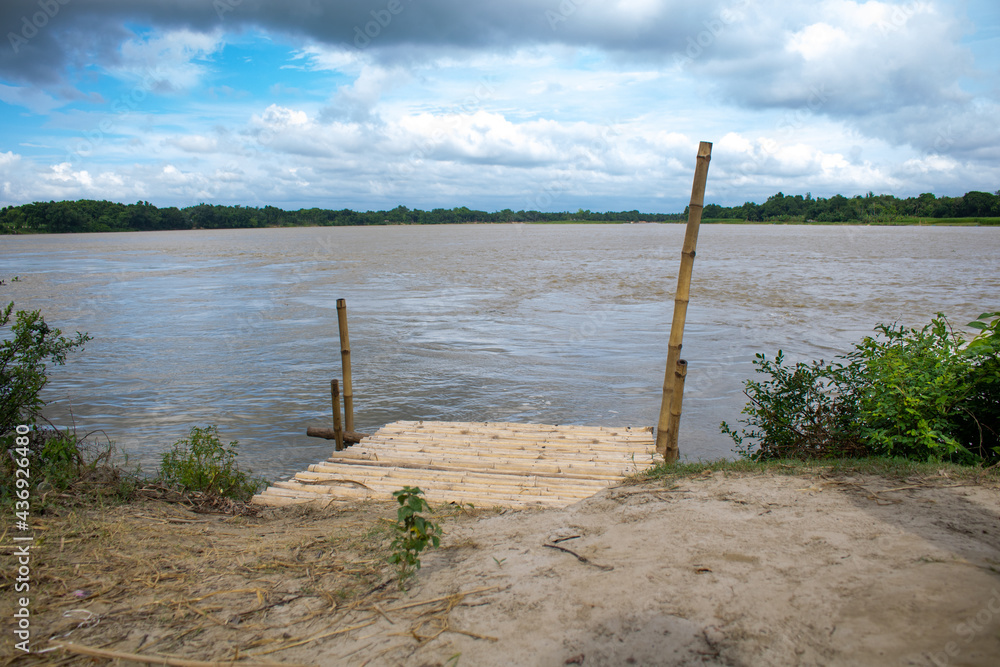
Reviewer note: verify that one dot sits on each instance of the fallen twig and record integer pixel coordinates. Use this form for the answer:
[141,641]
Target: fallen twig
[159,659]
[314,638]
[383,614]
[171,519]
[421,603]
[580,558]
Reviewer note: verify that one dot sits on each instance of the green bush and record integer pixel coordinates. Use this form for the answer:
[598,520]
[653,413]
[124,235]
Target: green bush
[22,364]
[922,394]
[910,388]
[979,422]
[797,413]
[201,462]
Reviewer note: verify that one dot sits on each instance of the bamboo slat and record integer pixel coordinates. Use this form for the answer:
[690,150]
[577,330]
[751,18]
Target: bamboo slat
[465,442]
[373,478]
[532,430]
[439,495]
[567,471]
[498,479]
[588,445]
[404,448]
[286,497]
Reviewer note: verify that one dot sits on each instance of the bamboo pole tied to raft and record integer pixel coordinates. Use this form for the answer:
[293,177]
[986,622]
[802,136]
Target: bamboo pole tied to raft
[345,358]
[338,432]
[673,380]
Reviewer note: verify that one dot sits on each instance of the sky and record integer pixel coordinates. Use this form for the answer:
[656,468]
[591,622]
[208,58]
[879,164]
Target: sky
[552,105]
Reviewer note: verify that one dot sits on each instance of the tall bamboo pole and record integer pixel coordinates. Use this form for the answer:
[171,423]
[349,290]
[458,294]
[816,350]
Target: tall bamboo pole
[345,358]
[673,379]
[338,432]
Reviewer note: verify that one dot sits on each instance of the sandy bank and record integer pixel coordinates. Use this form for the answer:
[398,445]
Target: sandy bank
[710,570]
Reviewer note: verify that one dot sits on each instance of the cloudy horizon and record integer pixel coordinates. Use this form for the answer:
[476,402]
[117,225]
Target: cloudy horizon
[547,105]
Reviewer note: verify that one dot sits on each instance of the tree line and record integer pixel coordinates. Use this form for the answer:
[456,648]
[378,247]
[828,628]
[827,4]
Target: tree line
[87,215]
[104,216]
[871,208]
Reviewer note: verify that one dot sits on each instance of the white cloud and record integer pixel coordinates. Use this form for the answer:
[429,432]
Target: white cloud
[194,143]
[178,60]
[357,101]
[929,164]
[9,159]
[320,58]
[820,40]
[733,142]
[63,173]
[278,117]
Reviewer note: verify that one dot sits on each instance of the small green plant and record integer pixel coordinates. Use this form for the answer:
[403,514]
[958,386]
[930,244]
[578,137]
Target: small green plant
[61,460]
[413,531]
[22,364]
[201,462]
[53,458]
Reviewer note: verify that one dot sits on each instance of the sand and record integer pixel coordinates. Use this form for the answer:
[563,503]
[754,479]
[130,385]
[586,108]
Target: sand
[718,569]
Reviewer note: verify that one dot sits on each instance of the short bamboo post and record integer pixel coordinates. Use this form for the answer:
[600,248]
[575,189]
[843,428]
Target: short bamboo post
[680,375]
[338,431]
[673,380]
[345,358]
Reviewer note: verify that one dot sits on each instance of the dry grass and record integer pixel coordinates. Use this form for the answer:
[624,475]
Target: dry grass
[158,579]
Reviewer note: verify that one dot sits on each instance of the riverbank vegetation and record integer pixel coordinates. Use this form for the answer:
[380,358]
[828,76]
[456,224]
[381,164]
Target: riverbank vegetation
[920,394]
[979,208]
[23,356]
[201,463]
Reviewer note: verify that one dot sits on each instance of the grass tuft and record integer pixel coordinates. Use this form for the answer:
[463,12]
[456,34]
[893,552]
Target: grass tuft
[892,468]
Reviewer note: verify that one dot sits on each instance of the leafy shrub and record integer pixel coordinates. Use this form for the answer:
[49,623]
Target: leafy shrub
[797,413]
[979,422]
[923,394]
[201,462]
[414,532]
[22,364]
[65,469]
[910,388]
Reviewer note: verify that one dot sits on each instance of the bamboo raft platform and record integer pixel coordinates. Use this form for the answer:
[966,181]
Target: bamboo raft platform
[485,464]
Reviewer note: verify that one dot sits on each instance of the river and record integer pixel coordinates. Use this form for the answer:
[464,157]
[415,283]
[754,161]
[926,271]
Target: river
[561,324]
